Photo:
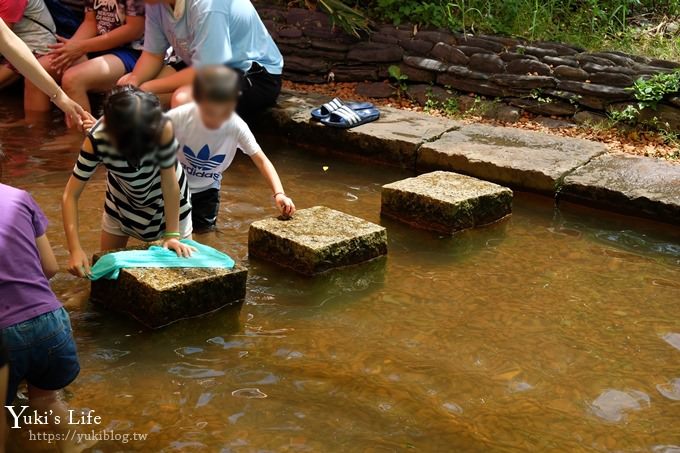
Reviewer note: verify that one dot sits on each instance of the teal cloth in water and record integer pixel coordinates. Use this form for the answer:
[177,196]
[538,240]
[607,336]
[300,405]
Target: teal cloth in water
[109,266]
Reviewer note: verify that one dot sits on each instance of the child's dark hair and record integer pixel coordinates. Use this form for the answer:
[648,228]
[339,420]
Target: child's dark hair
[217,84]
[134,120]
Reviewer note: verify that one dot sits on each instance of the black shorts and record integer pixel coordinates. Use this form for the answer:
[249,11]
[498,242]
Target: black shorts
[259,91]
[205,206]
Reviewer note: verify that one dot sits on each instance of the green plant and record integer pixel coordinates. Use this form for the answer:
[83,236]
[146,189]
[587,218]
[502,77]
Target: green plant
[398,11]
[537,94]
[451,107]
[628,115]
[649,91]
[400,79]
[465,11]
[351,19]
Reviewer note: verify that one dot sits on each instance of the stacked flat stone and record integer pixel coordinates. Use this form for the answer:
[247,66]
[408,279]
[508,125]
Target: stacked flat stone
[544,78]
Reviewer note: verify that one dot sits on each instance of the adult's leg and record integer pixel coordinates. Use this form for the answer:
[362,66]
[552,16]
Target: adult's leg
[165,97]
[34,99]
[182,95]
[96,75]
[7,76]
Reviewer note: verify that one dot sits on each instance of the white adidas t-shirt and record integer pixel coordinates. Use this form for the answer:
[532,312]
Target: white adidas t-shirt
[206,153]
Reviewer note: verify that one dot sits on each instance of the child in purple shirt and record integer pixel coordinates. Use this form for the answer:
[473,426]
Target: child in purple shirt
[34,327]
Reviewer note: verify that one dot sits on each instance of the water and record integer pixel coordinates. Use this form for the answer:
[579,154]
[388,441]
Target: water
[553,331]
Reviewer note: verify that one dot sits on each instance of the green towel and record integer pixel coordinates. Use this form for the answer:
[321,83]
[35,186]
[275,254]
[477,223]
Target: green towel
[109,266]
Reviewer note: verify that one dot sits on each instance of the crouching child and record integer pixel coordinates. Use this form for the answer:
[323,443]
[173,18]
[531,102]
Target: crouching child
[210,132]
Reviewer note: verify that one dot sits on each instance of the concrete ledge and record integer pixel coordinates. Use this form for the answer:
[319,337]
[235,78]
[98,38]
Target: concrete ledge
[158,297]
[316,239]
[635,185]
[394,139]
[522,159]
[445,201]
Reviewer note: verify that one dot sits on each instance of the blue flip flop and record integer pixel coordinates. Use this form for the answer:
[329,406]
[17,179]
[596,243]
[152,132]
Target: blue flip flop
[329,107]
[346,118]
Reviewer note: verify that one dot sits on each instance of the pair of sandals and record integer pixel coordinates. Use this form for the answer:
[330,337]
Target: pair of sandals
[341,115]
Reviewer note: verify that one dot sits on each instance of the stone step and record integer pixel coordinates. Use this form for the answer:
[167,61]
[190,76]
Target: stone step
[316,240]
[157,297]
[446,202]
[393,139]
[631,184]
[514,157]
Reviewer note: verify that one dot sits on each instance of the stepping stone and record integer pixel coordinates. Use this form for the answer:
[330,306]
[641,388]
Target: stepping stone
[505,155]
[158,297]
[445,202]
[316,239]
[641,186]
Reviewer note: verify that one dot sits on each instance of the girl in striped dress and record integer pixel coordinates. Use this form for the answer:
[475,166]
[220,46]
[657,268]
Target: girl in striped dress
[147,194]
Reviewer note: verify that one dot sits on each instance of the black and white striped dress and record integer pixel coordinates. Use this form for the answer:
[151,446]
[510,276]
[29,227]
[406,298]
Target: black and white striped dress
[134,197]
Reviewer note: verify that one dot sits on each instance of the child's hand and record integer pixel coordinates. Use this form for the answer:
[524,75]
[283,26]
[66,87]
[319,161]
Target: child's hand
[88,122]
[182,250]
[285,205]
[79,264]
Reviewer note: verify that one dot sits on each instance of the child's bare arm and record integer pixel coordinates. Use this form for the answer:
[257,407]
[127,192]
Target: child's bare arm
[47,258]
[79,264]
[284,203]
[171,200]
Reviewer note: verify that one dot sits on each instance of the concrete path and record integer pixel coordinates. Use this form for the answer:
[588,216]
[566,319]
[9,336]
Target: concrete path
[573,169]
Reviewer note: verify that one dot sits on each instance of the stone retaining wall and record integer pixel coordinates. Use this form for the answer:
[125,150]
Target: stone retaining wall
[544,78]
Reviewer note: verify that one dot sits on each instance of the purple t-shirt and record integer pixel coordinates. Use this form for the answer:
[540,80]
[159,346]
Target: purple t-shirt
[24,290]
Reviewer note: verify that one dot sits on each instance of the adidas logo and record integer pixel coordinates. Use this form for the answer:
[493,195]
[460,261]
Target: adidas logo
[202,159]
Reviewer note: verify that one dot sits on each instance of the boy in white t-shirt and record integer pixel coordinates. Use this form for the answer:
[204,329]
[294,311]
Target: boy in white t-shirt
[209,132]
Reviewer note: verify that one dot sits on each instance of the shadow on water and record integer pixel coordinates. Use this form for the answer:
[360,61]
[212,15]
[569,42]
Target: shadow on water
[269,284]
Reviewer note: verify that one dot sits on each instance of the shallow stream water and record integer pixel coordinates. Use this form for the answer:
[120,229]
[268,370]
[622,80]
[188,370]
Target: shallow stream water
[556,330]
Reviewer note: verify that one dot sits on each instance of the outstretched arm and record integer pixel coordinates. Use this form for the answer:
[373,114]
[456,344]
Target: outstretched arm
[18,53]
[284,203]
[78,264]
[171,193]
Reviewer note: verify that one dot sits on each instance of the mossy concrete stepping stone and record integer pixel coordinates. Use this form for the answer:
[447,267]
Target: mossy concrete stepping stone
[445,201]
[160,296]
[316,239]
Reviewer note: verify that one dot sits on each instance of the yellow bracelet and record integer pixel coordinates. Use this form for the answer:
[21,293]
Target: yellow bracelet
[171,235]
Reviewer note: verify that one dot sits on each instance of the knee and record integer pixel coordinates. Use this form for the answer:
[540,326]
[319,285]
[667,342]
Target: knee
[181,96]
[72,80]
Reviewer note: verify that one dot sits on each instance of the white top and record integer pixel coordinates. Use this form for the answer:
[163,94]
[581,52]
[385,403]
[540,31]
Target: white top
[206,153]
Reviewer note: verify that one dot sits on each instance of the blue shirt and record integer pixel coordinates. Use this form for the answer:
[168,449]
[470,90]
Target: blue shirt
[213,32]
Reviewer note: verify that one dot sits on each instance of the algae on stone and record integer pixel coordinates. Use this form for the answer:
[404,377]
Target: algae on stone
[445,201]
[316,239]
[160,296]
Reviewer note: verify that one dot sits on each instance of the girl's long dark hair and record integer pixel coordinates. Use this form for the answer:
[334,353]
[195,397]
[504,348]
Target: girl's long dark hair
[134,120]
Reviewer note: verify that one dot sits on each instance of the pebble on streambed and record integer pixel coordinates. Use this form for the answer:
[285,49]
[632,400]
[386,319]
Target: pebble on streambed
[157,297]
[446,202]
[316,240]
